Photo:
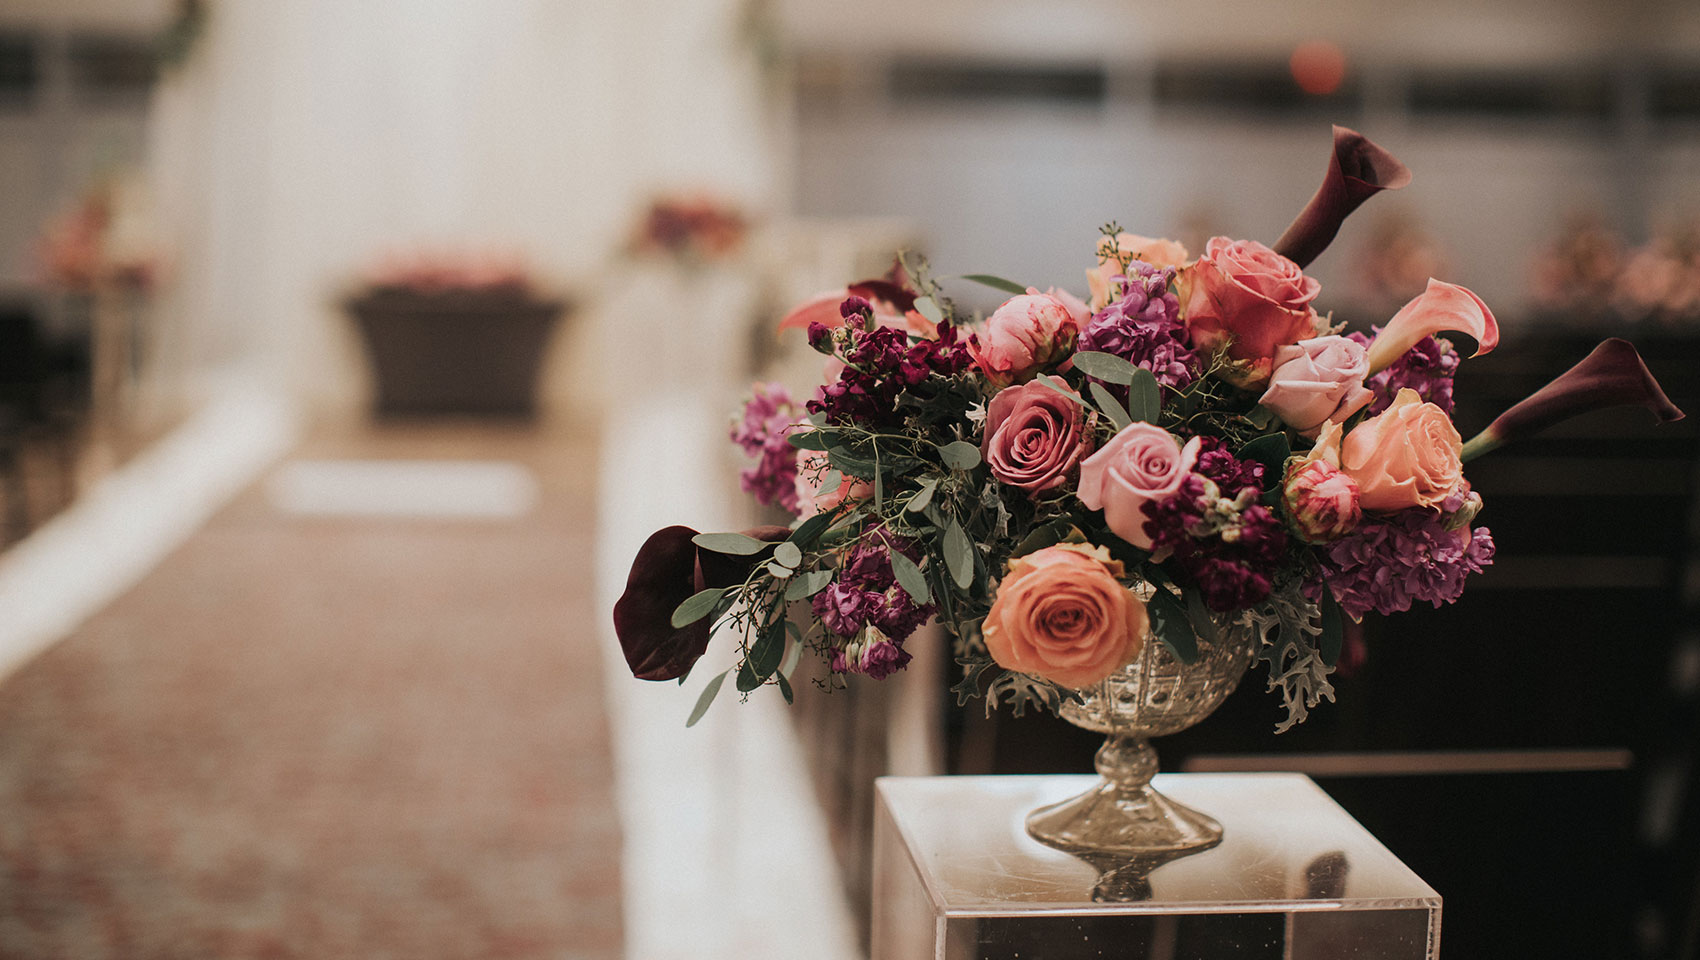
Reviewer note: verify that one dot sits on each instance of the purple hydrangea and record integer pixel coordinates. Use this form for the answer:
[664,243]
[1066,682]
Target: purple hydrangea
[1143,327]
[768,417]
[1227,547]
[1390,562]
[1428,368]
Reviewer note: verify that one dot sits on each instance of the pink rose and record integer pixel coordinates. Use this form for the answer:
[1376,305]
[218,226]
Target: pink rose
[1322,500]
[1061,614]
[1158,252]
[1317,381]
[1140,464]
[812,468]
[1248,296]
[1035,436]
[1407,456]
[1026,335]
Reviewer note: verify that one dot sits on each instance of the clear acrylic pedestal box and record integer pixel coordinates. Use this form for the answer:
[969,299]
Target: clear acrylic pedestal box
[956,877]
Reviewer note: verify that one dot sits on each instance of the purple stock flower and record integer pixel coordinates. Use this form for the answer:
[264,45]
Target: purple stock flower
[1230,473]
[866,593]
[1393,561]
[1227,547]
[1428,368]
[761,433]
[1143,327]
[883,658]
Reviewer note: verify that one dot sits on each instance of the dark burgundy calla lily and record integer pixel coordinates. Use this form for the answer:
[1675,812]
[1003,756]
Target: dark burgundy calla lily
[1612,376]
[1357,170]
[667,570]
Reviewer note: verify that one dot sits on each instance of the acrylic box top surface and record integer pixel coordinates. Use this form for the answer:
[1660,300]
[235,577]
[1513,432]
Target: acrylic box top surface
[1286,847]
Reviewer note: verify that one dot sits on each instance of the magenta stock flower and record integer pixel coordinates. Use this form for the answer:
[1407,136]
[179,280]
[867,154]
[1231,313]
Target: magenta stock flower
[1612,376]
[1393,561]
[768,417]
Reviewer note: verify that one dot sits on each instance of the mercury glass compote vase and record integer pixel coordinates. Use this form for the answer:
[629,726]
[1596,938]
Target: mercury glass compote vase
[1122,818]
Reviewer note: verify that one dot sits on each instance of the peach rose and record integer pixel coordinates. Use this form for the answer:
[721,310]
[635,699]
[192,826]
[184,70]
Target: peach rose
[1408,456]
[1035,436]
[1156,251]
[812,468]
[1028,334]
[1140,464]
[1061,614]
[1247,296]
[1316,381]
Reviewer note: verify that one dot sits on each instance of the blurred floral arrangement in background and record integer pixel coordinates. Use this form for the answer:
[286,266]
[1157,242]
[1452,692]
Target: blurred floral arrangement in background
[692,229]
[438,273]
[104,240]
[1191,446]
[1590,269]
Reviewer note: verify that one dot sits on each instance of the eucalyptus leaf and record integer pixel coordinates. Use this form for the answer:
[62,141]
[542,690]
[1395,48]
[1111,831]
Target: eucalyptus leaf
[787,554]
[922,497]
[830,482]
[793,651]
[1104,366]
[996,283]
[1144,397]
[1333,631]
[697,606]
[1169,622]
[767,652]
[910,578]
[851,464]
[705,698]
[960,455]
[1202,622]
[747,679]
[735,544]
[1039,538]
[1058,387]
[778,571]
[812,439]
[958,554]
[785,688]
[1110,405]
[811,528]
[807,585]
[929,308]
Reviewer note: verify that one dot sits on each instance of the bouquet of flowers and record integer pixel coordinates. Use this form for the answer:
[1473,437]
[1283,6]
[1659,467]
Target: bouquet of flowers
[1191,445]
[692,229]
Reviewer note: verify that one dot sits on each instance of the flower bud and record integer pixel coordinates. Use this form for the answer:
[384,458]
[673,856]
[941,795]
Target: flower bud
[1321,500]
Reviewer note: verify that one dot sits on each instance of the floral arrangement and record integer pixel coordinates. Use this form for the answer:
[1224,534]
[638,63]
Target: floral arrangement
[436,273]
[694,229]
[1192,445]
[104,240]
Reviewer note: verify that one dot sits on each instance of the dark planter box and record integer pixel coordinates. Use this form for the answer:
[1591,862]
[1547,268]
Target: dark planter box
[475,353]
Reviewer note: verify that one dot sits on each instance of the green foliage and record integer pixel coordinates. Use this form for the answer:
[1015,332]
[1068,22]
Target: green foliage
[959,455]
[910,578]
[996,283]
[1145,397]
[958,555]
[1105,366]
[697,606]
[1172,626]
[735,544]
[1110,405]
[705,698]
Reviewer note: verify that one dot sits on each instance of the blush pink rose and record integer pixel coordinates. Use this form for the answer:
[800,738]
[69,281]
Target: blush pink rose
[1247,296]
[1317,381]
[812,468]
[1322,499]
[1141,464]
[1156,251]
[1407,456]
[1061,614]
[1035,436]
[1028,334]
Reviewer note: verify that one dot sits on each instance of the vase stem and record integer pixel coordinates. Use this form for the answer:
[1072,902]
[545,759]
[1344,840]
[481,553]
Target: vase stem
[1127,762]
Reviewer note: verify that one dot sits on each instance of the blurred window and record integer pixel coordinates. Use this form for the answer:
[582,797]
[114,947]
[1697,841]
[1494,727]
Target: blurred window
[111,67]
[935,80]
[20,69]
[1574,94]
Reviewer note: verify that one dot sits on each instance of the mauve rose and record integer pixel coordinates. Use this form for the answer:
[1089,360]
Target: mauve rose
[812,468]
[1026,335]
[1156,251]
[1246,295]
[1407,456]
[1035,436]
[1062,615]
[1140,464]
[1316,381]
[1322,500]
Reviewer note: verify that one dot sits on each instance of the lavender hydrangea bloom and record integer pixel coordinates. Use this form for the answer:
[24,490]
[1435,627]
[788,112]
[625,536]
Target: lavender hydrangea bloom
[1143,327]
[1428,368]
[761,433]
[1391,562]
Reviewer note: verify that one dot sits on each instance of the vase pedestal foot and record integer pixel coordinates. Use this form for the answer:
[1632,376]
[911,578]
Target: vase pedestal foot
[1122,818]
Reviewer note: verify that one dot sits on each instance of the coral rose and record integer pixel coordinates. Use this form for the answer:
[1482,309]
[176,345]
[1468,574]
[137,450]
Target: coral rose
[1028,334]
[1316,381]
[1158,252]
[1141,464]
[1407,456]
[1249,297]
[1035,436]
[1061,614]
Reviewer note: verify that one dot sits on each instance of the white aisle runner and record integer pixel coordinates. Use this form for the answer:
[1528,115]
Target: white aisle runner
[726,852]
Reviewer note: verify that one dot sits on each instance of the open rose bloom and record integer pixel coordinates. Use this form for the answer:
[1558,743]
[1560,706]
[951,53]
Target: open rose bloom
[1198,441]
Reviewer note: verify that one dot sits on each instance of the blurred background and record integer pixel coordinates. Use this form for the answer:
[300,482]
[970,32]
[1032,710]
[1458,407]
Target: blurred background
[349,349]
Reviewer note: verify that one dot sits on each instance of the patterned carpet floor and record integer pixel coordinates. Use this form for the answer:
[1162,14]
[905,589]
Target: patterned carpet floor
[321,738]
